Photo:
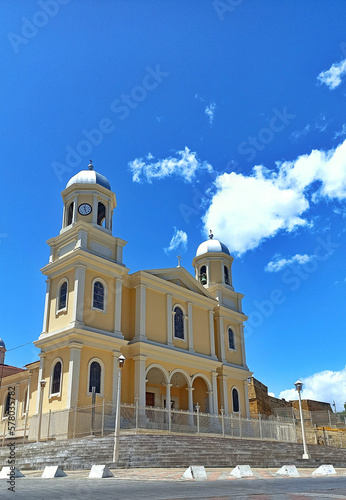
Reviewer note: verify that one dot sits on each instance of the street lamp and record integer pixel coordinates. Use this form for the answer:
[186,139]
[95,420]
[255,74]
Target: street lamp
[42,385]
[299,387]
[121,362]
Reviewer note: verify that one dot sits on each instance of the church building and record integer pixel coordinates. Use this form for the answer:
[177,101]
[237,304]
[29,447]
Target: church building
[182,335]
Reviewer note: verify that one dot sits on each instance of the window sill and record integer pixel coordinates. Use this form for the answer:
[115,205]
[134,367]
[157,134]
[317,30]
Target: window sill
[54,397]
[97,394]
[103,311]
[60,312]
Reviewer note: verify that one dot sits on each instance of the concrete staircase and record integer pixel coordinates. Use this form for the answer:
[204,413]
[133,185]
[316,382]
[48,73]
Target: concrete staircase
[145,450]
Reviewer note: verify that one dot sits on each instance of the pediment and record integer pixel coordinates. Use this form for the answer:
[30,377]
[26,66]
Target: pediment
[180,277]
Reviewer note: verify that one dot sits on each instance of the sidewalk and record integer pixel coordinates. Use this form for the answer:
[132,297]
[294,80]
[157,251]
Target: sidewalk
[153,474]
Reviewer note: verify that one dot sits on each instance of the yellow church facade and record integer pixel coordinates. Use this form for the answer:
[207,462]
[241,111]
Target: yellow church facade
[182,335]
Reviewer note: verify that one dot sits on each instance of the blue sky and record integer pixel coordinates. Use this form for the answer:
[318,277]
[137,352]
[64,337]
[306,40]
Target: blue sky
[226,115]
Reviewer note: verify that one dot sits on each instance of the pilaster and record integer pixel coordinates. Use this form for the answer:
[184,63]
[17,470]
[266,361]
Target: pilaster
[224,392]
[214,386]
[212,334]
[140,380]
[46,308]
[118,299]
[169,320]
[220,338]
[140,312]
[115,356]
[73,374]
[79,288]
[190,326]
[42,356]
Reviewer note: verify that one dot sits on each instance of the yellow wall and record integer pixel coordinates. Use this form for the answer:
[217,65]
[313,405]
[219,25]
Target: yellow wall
[201,330]
[128,312]
[57,402]
[56,322]
[234,357]
[200,393]
[156,316]
[128,382]
[87,354]
[98,319]
[215,271]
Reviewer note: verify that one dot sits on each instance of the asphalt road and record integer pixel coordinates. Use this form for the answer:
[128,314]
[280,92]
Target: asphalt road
[254,489]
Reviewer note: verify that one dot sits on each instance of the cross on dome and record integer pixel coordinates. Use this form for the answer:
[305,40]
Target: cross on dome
[211,236]
[91,166]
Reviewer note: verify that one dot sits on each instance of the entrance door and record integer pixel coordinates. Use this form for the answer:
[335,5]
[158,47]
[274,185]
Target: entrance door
[150,399]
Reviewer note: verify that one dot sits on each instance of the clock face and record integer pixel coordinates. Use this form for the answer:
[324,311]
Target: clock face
[84,209]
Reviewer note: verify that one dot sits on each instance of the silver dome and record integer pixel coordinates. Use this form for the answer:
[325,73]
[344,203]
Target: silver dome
[89,177]
[211,245]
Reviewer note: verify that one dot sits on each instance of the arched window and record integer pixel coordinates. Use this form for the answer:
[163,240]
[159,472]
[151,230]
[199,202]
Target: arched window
[62,297]
[98,296]
[226,275]
[235,400]
[70,214]
[203,275]
[95,377]
[178,323]
[7,404]
[231,342]
[56,378]
[101,214]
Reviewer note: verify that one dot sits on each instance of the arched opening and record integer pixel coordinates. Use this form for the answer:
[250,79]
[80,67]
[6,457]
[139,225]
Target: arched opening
[235,400]
[62,300]
[231,341]
[95,377]
[179,392]
[98,296]
[155,387]
[226,275]
[203,275]
[101,214]
[179,323]
[70,213]
[56,379]
[200,395]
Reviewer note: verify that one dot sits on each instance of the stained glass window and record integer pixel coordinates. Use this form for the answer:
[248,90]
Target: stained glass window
[63,296]
[56,378]
[178,323]
[231,339]
[98,296]
[95,377]
[235,399]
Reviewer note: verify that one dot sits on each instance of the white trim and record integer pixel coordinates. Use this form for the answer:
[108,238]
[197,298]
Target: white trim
[104,310]
[102,384]
[169,320]
[184,318]
[159,367]
[58,394]
[183,372]
[234,338]
[63,309]
[25,401]
[140,321]
[236,388]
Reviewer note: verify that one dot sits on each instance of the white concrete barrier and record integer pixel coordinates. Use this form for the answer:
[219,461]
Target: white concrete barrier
[324,470]
[288,470]
[100,471]
[195,472]
[51,471]
[242,471]
[6,472]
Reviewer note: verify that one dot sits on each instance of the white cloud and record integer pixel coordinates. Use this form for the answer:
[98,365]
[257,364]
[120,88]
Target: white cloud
[279,263]
[341,132]
[299,133]
[210,112]
[246,210]
[326,386]
[185,165]
[332,76]
[179,239]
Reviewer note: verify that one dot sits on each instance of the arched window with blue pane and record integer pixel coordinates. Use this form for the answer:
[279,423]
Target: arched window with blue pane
[98,296]
[179,323]
[235,400]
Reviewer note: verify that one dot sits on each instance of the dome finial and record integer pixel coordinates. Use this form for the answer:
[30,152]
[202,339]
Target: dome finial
[91,166]
[211,236]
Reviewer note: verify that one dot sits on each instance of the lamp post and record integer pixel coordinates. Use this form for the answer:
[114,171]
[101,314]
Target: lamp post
[299,387]
[42,384]
[121,362]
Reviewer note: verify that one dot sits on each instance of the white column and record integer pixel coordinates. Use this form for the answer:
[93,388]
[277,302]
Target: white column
[190,326]
[190,391]
[211,409]
[214,386]
[224,393]
[242,344]
[42,356]
[75,202]
[16,395]
[220,339]
[208,272]
[168,396]
[46,308]
[140,384]
[109,212]
[140,312]
[64,216]
[118,297]
[169,320]
[115,357]
[222,273]
[79,286]
[246,395]
[212,334]
[95,207]
[73,374]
